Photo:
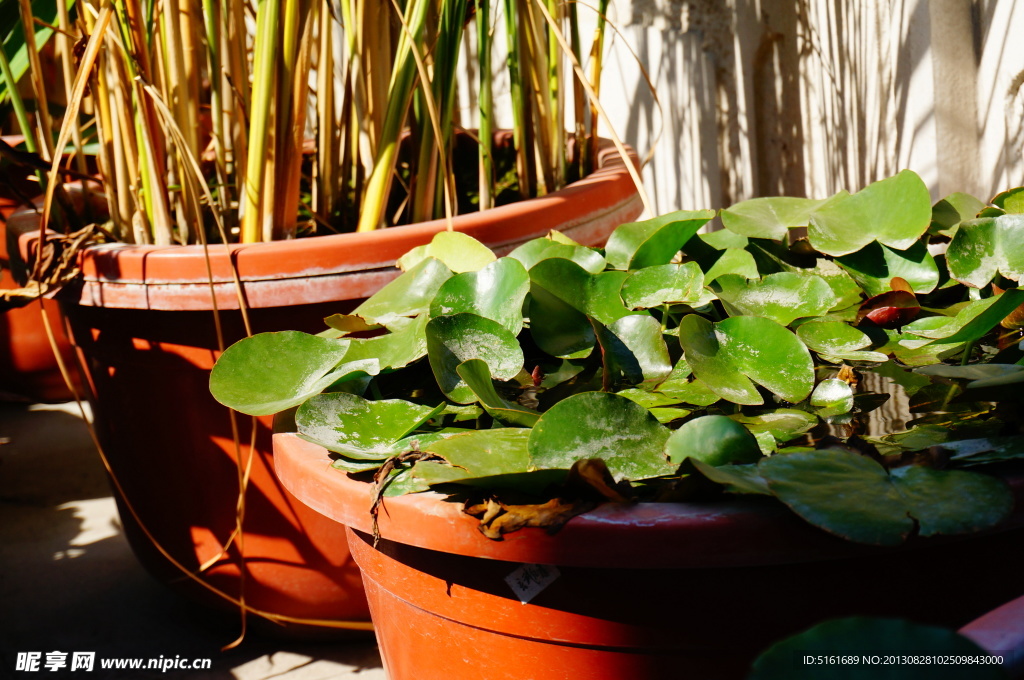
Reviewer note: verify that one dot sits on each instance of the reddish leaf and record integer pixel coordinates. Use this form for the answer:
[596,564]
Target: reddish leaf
[892,309]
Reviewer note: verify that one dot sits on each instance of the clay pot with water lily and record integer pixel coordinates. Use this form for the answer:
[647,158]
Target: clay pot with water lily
[657,458]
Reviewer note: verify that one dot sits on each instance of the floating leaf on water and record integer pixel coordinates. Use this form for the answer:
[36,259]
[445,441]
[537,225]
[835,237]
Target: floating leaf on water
[832,397]
[952,501]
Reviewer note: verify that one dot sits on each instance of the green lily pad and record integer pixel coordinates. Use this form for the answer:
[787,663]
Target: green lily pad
[595,295]
[495,292]
[948,213]
[270,372]
[460,252]
[832,397]
[557,327]
[839,340]
[987,246]
[634,347]
[732,261]
[478,377]
[686,391]
[655,241]
[971,323]
[408,295]
[715,440]
[985,450]
[770,217]
[735,353]
[532,252]
[894,211]
[405,344]
[1012,201]
[781,297]
[875,265]
[783,424]
[665,284]
[952,501]
[483,453]
[841,492]
[452,340]
[360,428]
[846,290]
[601,425]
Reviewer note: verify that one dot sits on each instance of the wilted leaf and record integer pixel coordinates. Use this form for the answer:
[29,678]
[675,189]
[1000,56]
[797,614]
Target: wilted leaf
[498,519]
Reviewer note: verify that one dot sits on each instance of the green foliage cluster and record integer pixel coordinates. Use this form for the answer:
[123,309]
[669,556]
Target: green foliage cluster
[724,362]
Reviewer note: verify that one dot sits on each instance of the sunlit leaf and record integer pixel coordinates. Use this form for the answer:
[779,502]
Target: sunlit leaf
[894,211]
[634,347]
[663,284]
[732,261]
[832,397]
[875,265]
[452,340]
[478,377]
[360,428]
[985,247]
[460,252]
[838,340]
[601,425]
[532,252]
[494,292]
[408,295]
[655,241]
[781,297]
[770,217]
[271,372]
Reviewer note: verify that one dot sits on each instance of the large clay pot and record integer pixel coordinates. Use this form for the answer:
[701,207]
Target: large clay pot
[143,325]
[653,590]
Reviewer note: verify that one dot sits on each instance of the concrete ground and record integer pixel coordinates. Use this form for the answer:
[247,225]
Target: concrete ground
[69,582]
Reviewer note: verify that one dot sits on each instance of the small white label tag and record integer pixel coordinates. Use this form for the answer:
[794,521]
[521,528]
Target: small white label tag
[530,579]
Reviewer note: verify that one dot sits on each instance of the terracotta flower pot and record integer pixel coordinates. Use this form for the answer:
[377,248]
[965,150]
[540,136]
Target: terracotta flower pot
[144,329]
[653,590]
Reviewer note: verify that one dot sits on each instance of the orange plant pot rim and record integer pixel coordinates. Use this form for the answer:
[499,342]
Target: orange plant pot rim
[644,535]
[347,266]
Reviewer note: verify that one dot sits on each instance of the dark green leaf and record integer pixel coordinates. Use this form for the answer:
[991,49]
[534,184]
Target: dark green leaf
[634,347]
[744,479]
[715,440]
[952,501]
[476,374]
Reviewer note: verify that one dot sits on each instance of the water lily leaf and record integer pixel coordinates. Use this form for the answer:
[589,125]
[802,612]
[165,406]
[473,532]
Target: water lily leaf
[636,245]
[408,295]
[832,397]
[532,252]
[839,340]
[781,297]
[557,327]
[952,501]
[846,290]
[972,322]
[728,355]
[908,380]
[476,374]
[595,295]
[770,217]
[452,340]
[948,213]
[360,428]
[667,415]
[664,284]
[686,391]
[460,252]
[876,637]
[495,292]
[875,265]
[601,425]
[987,246]
[894,211]
[732,261]
[480,453]
[405,344]
[743,479]
[715,440]
[634,347]
[782,424]
[647,399]
[1012,200]
[270,372]
[841,492]
[985,450]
